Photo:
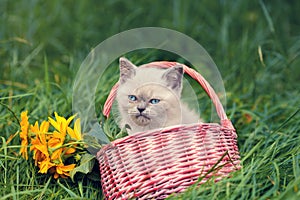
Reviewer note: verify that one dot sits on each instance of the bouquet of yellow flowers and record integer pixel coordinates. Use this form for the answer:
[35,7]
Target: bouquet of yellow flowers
[55,146]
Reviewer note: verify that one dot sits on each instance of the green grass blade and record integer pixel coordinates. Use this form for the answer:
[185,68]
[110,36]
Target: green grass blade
[69,191]
[267,16]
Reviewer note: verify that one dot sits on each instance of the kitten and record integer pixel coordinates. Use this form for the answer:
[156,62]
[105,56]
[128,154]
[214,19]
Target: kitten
[149,98]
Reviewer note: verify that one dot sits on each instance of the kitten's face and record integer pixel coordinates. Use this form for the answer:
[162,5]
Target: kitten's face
[151,105]
[149,98]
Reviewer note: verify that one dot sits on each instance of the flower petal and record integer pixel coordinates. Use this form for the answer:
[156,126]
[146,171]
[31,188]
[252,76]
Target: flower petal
[77,129]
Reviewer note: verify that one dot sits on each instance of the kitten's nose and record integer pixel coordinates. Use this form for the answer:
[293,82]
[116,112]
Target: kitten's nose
[141,109]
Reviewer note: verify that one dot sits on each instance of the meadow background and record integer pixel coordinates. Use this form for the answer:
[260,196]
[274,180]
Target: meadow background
[255,44]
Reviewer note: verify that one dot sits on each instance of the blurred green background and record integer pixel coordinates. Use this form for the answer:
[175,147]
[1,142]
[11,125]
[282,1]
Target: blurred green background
[231,31]
[255,44]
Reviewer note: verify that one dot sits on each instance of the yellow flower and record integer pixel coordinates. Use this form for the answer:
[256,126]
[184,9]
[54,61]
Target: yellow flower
[61,123]
[69,150]
[62,170]
[76,133]
[38,156]
[56,142]
[42,129]
[56,139]
[24,134]
[44,165]
[50,149]
[56,155]
[39,146]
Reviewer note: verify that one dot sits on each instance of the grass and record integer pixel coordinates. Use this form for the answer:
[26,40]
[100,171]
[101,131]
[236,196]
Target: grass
[255,44]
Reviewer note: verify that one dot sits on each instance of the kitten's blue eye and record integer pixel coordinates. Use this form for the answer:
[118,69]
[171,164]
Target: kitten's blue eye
[132,97]
[154,101]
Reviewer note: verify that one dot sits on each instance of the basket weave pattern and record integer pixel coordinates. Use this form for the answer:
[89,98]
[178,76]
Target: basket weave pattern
[157,163]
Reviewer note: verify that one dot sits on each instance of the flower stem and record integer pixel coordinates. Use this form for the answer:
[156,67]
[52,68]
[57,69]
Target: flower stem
[67,145]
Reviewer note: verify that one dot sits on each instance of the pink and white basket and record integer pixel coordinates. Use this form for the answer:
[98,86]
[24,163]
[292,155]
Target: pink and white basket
[157,163]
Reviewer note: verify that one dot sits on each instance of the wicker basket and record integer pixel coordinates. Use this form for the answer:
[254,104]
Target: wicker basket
[157,163]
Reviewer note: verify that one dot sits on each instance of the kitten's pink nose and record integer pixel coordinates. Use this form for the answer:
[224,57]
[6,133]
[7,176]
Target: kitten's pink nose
[141,109]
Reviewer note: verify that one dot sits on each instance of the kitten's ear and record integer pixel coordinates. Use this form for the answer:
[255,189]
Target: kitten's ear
[127,70]
[173,78]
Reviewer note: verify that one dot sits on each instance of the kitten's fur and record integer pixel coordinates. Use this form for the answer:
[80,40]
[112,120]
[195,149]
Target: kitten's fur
[155,98]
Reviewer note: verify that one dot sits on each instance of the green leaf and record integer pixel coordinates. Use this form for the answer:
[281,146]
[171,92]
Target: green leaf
[86,165]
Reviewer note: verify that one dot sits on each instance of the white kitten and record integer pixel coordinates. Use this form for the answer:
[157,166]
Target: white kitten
[149,98]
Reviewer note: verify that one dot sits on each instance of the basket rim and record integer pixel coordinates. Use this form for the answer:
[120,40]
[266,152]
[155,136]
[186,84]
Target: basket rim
[142,134]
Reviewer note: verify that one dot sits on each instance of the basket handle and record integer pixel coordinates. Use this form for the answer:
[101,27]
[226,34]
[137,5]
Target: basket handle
[192,73]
